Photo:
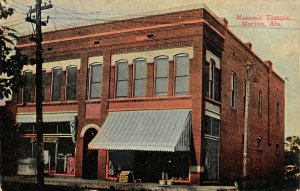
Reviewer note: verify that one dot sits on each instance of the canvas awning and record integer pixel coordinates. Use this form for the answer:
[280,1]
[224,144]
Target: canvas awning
[47,117]
[147,130]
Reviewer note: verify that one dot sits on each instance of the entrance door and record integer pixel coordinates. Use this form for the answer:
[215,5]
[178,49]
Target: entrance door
[211,159]
[50,149]
[90,157]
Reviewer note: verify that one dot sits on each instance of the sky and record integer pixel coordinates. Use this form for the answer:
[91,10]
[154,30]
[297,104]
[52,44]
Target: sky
[280,44]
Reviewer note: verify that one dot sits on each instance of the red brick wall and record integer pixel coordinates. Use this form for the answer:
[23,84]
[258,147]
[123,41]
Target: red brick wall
[263,162]
[202,35]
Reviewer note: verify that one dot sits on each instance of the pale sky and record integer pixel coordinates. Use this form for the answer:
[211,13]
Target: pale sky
[279,44]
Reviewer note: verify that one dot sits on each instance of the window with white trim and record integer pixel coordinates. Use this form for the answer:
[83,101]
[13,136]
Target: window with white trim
[182,66]
[122,78]
[212,80]
[56,83]
[28,87]
[161,75]
[71,88]
[140,77]
[95,74]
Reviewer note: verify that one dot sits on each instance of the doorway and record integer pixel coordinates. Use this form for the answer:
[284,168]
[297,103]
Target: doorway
[90,157]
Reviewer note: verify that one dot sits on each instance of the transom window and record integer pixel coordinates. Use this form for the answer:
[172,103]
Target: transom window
[212,126]
[71,83]
[56,84]
[122,78]
[182,74]
[161,75]
[140,77]
[95,81]
[27,90]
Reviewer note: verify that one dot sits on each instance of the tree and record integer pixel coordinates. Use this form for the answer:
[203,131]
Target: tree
[11,59]
[292,150]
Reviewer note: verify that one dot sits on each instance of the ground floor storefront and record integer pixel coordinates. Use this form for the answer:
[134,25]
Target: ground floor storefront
[59,142]
[150,166]
[149,146]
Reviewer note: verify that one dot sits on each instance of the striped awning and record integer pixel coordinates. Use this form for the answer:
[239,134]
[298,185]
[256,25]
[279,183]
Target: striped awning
[147,130]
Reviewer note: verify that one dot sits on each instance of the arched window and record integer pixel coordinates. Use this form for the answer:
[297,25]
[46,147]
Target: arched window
[95,74]
[260,102]
[28,87]
[122,78]
[71,88]
[182,66]
[56,83]
[161,75]
[259,143]
[233,90]
[140,77]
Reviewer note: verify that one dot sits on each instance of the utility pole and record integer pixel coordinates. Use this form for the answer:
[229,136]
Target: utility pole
[38,82]
[249,78]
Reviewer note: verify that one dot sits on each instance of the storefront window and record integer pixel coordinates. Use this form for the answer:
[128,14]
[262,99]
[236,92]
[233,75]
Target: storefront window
[148,166]
[59,149]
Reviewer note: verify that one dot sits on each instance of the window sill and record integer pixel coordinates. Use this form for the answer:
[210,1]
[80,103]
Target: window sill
[233,108]
[212,100]
[92,100]
[48,103]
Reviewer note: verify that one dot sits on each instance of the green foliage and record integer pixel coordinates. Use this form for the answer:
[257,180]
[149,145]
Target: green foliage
[11,59]
[292,151]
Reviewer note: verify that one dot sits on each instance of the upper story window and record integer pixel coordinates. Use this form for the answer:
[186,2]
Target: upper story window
[277,149]
[44,82]
[56,83]
[71,88]
[233,90]
[140,77]
[27,90]
[260,102]
[95,81]
[161,75]
[259,143]
[182,74]
[212,78]
[277,113]
[122,78]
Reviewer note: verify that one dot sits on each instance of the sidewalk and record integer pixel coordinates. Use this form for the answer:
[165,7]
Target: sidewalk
[106,185]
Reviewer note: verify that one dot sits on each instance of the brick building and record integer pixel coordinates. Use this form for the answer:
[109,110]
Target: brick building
[161,94]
